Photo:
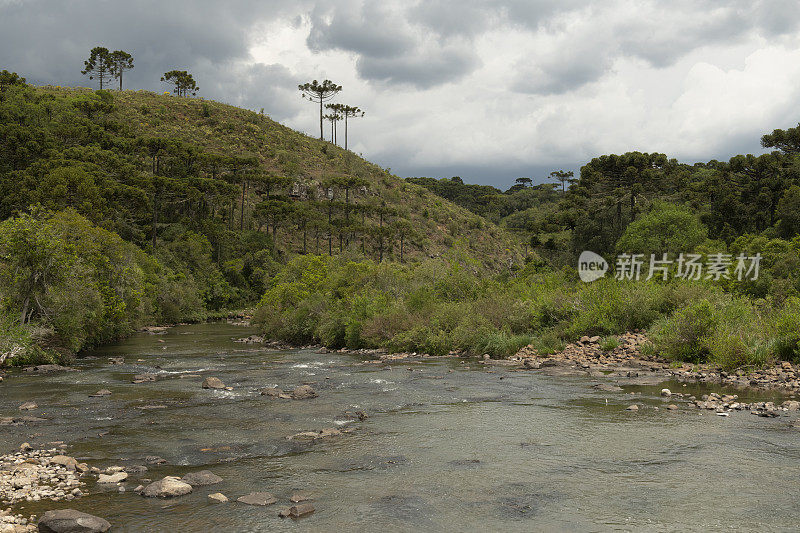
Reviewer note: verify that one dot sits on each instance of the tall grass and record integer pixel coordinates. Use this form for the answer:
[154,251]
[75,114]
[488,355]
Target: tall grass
[438,306]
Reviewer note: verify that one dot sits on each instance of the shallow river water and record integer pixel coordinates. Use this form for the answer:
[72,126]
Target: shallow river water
[447,446]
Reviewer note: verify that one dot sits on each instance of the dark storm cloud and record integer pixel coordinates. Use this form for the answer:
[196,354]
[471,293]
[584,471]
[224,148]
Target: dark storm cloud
[367,30]
[47,42]
[423,70]
[393,43]
[465,19]
[670,32]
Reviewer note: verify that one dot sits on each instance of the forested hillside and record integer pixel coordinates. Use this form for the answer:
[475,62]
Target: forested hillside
[748,197]
[161,208]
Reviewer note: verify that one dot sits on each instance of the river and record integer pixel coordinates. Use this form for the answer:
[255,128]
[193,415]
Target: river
[447,446]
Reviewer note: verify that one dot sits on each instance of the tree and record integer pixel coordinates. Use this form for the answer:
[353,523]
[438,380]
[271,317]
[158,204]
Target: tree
[7,79]
[525,182]
[320,93]
[666,229]
[787,141]
[349,111]
[563,178]
[182,81]
[403,229]
[119,62]
[334,119]
[789,213]
[98,66]
[241,166]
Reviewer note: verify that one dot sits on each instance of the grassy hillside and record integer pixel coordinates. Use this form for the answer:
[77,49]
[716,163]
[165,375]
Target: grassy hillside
[434,225]
[197,205]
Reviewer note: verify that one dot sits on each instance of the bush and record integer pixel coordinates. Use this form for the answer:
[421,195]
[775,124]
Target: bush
[84,284]
[684,335]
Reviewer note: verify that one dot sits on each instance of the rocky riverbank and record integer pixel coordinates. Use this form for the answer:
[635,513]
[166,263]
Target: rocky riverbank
[627,359]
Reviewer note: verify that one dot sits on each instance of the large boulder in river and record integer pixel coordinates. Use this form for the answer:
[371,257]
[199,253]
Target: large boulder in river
[213,383]
[201,478]
[303,392]
[71,521]
[169,487]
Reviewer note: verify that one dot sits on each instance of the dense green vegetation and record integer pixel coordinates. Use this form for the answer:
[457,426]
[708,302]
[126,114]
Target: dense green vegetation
[441,305]
[633,203]
[196,202]
[121,209]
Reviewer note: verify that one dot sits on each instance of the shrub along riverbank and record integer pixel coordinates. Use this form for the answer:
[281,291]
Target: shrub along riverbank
[441,305]
[66,285]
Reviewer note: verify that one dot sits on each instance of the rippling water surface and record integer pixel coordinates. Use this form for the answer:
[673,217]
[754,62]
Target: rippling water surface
[448,445]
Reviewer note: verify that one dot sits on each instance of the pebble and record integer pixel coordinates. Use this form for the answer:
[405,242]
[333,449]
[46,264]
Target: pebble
[35,475]
[218,497]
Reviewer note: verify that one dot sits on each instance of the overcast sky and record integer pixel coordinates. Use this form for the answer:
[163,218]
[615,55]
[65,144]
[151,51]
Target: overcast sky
[488,90]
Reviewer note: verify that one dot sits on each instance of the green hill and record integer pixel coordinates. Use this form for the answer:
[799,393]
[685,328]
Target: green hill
[199,202]
[202,128]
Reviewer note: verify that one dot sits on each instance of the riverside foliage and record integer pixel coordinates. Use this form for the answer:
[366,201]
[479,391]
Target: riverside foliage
[130,208]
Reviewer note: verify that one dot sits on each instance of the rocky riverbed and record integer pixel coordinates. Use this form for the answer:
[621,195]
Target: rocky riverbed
[249,436]
[627,358]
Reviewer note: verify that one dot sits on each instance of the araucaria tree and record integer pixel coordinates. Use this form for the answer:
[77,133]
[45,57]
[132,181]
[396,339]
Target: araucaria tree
[319,93]
[182,81]
[119,62]
[333,118]
[98,66]
[349,111]
[563,178]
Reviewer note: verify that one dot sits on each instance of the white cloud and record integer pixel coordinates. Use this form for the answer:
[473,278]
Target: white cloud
[488,89]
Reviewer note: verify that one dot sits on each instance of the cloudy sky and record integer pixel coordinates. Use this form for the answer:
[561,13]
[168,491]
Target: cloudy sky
[489,90]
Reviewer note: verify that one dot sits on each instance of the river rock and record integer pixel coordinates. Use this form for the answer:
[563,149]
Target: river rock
[301,496]
[633,407]
[118,477]
[154,460]
[63,460]
[672,407]
[28,406]
[272,392]
[608,387]
[25,447]
[791,405]
[303,392]
[666,393]
[48,368]
[257,498]
[100,393]
[201,478]
[71,521]
[169,487]
[143,378]
[218,497]
[298,510]
[213,383]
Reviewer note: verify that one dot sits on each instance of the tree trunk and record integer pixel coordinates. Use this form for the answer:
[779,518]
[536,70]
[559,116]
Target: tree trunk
[241,216]
[155,218]
[24,315]
[320,118]
[345,131]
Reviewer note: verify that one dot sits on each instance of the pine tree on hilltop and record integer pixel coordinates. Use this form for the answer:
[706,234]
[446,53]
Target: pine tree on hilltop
[319,93]
[119,62]
[183,83]
[98,66]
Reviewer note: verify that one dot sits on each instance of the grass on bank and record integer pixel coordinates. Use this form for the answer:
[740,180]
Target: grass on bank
[438,306]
